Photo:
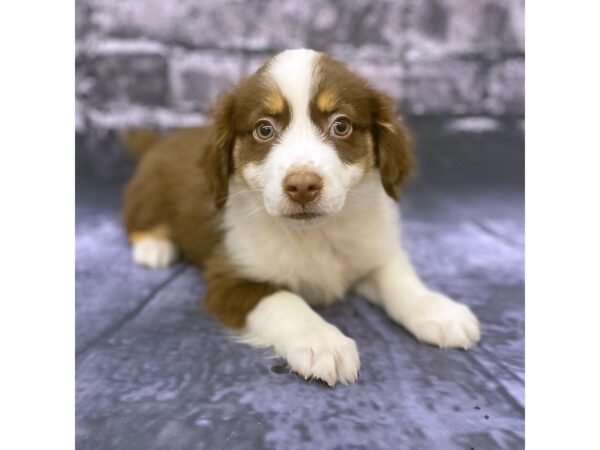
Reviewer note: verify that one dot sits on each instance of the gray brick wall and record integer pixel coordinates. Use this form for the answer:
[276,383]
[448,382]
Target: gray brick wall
[162,62]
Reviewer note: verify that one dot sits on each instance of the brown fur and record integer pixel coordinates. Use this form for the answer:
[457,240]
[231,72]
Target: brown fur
[236,114]
[230,298]
[393,155]
[172,195]
[218,155]
[171,187]
[139,140]
[161,231]
[377,136]
[181,182]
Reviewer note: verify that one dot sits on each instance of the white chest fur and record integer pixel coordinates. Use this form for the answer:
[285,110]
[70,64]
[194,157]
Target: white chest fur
[319,263]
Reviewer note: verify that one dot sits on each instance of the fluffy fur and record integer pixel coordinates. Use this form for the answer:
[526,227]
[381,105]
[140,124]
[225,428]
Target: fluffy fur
[219,196]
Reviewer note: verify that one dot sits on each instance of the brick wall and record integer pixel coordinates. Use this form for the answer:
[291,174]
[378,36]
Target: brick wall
[162,62]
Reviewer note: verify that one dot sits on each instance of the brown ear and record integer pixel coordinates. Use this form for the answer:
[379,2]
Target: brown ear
[217,160]
[392,147]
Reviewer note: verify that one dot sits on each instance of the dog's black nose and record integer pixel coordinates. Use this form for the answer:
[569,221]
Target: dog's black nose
[302,187]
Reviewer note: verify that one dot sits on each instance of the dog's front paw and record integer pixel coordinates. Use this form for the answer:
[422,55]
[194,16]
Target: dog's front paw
[324,353]
[441,321]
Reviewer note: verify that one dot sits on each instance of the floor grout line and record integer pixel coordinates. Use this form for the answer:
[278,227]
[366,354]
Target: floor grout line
[511,399]
[112,330]
[499,364]
[498,236]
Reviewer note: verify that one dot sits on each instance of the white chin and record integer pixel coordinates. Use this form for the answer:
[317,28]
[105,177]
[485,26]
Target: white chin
[304,223]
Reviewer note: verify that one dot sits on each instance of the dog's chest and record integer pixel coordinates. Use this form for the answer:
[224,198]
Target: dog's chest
[319,264]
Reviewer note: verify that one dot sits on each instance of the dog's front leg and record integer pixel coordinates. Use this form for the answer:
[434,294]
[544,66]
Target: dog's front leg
[312,347]
[284,321]
[431,317]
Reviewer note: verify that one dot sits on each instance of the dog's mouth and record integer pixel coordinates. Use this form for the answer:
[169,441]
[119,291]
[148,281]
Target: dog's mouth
[303,215]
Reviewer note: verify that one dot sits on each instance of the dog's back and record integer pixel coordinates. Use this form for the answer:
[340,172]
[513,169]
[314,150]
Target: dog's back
[168,195]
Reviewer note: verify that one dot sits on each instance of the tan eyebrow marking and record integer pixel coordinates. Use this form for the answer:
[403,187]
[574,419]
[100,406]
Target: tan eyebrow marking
[275,103]
[327,101]
[388,126]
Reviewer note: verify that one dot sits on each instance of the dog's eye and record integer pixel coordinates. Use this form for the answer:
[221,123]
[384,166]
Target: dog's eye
[264,130]
[341,127]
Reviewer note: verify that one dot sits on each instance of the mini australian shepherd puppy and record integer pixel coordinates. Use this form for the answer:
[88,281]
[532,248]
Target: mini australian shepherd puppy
[289,200]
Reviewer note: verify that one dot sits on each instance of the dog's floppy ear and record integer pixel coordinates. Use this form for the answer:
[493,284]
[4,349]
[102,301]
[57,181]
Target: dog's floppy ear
[217,157]
[392,148]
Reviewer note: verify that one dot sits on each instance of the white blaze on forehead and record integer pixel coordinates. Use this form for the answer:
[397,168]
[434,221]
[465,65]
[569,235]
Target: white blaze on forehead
[302,143]
[292,71]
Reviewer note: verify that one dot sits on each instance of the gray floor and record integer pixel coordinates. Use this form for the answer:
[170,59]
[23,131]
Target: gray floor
[154,372]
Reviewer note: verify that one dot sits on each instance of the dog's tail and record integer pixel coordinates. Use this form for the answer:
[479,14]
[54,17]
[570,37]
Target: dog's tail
[139,140]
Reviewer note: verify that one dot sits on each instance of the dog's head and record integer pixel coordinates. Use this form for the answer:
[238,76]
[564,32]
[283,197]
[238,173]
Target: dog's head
[303,131]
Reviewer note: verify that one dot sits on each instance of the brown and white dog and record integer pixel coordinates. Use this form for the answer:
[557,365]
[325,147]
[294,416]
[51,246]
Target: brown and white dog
[288,200]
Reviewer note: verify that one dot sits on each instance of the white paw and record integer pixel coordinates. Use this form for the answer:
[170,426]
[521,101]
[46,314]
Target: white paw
[324,353]
[443,322]
[154,252]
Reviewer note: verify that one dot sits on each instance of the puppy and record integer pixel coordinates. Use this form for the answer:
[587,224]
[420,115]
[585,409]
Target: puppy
[286,201]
